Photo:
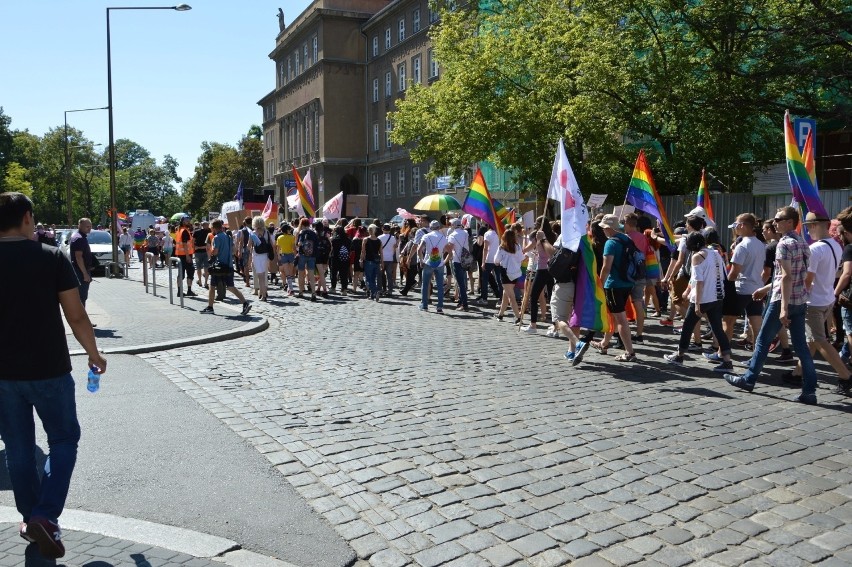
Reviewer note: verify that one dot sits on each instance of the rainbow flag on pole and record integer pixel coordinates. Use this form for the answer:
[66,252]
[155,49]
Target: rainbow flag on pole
[642,194]
[305,198]
[479,203]
[590,310]
[801,171]
[703,200]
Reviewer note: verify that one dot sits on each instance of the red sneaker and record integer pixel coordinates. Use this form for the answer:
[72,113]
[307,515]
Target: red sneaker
[47,536]
[666,322]
[773,346]
[22,531]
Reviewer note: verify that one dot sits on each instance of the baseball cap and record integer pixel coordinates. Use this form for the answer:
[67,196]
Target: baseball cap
[434,225]
[455,223]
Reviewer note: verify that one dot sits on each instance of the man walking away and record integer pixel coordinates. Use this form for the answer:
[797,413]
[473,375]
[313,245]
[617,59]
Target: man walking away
[199,239]
[36,375]
[616,288]
[221,248]
[787,307]
[185,252]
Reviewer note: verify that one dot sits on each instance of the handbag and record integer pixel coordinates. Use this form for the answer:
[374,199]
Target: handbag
[217,268]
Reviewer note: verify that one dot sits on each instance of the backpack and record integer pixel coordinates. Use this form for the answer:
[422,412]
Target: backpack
[632,267]
[343,253]
[563,265]
[323,247]
[306,246]
[465,257]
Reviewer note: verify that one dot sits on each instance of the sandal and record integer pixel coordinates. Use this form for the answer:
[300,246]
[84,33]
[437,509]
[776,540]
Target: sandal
[625,357]
[599,346]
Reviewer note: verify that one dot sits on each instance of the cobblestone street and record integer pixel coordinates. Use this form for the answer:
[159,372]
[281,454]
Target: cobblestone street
[453,440]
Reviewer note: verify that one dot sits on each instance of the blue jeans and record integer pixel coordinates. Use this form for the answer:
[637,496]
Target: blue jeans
[769,329]
[461,282]
[84,286]
[53,400]
[487,270]
[439,286]
[371,272]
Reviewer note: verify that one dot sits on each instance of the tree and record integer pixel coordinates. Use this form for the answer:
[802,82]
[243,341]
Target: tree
[696,83]
[16,179]
[6,143]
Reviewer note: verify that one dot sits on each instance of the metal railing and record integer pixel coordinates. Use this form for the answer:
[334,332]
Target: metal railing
[175,261]
[150,260]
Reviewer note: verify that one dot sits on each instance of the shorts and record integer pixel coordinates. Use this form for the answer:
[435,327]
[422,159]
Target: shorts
[616,298]
[202,261]
[815,319]
[652,282]
[227,279]
[309,262]
[637,294]
[735,303]
[504,277]
[562,301]
[678,287]
[284,259]
[846,315]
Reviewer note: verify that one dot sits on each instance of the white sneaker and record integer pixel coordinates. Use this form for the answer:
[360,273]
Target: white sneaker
[552,333]
[529,329]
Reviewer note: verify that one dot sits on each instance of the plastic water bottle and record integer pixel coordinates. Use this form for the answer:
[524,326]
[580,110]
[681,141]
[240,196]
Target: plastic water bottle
[94,383]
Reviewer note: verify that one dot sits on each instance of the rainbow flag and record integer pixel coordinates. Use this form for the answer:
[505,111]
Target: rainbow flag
[802,179]
[642,194]
[703,200]
[305,198]
[501,210]
[652,265]
[479,203]
[590,310]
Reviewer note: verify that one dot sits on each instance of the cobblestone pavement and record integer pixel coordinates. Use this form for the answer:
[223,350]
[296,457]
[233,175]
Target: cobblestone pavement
[85,549]
[453,440]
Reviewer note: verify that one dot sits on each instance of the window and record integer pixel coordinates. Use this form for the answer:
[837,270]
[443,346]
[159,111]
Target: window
[315,45]
[282,78]
[401,71]
[375,185]
[376,90]
[298,130]
[388,128]
[387,184]
[415,74]
[415,180]
[375,136]
[306,59]
[316,130]
[388,91]
[375,46]
[415,21]
[402,30]
[296,62]
[433,65]
[433,16]
[387,39]
[307,135]
[289,69]
[400,182]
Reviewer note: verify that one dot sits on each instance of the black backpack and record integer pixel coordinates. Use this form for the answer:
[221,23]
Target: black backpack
[632,267]
[563,265]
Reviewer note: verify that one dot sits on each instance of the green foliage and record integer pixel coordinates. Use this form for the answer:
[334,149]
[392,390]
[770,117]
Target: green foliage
[6,143]
[16,179]
[695,83]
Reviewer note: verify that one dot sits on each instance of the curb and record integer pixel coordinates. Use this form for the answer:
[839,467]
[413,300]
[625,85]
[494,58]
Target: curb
[175,539]
[248,329]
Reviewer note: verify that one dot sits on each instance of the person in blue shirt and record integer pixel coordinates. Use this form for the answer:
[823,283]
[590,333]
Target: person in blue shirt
[616,287]
[222,249]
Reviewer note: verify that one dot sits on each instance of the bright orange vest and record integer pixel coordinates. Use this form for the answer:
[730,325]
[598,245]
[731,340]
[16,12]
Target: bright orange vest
[183,248]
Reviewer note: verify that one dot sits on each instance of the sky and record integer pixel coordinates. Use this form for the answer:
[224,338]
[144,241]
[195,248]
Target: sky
[178,78]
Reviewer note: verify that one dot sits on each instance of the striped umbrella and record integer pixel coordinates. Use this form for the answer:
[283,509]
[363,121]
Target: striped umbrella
[437,202]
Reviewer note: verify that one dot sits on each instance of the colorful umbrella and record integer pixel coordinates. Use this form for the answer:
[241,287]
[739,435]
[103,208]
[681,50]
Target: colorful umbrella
[437,202]
[177,216]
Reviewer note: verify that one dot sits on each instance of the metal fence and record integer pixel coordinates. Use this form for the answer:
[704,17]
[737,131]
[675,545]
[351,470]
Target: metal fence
[727,206]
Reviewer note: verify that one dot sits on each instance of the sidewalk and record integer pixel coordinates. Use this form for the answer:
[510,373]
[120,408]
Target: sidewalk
[160,481]
[130,321]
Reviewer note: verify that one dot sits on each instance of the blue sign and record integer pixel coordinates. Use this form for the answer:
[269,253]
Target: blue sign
[289,183]
[801,128]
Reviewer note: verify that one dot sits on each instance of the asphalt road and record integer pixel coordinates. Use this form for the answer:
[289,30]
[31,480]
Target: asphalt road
[151,452]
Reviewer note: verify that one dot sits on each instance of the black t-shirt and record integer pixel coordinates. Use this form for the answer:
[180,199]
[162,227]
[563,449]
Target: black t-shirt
[32,334]
[80,243]
[199,237]
[373,247]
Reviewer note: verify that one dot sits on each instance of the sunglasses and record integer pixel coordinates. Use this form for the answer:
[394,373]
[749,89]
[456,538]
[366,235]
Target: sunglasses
[777,220]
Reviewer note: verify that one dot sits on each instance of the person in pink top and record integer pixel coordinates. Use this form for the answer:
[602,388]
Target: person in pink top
[637,296]
[541,245]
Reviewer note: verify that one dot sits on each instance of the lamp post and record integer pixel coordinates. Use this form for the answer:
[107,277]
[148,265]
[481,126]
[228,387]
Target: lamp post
[68,163]
[112,199]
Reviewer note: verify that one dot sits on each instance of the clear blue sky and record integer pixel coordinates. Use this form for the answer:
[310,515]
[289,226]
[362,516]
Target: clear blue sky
[178,78]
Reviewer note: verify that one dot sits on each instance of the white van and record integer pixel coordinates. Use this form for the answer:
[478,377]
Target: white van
[142,219]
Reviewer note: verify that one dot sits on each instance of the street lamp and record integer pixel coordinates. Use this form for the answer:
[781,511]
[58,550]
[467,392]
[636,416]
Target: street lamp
[68,163]
[112,204]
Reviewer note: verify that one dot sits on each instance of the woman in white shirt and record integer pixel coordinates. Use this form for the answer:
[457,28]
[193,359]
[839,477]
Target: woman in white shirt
[509,258]
[704,293]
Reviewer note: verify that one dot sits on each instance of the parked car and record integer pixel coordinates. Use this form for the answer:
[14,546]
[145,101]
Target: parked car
[101,244]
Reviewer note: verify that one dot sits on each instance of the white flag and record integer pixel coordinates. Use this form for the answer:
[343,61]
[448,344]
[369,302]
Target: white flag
[333,207]
[565,190]
[267,210]
[295,204]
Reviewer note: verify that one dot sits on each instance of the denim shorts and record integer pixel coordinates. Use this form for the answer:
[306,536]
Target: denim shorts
[285,259]
[310,263]
[846,314]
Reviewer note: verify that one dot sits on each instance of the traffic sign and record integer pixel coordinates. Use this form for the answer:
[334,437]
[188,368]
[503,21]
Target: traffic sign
[289,183]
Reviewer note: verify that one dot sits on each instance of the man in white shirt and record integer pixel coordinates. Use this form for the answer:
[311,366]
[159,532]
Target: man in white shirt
[744,278]
[491,245]
[459,241]
[434,252]
[388,260]
[822,270]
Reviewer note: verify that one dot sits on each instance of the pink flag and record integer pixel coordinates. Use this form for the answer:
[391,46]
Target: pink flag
[267,210]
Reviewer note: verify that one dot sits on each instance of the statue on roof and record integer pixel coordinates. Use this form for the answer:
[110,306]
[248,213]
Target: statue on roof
[281,24]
